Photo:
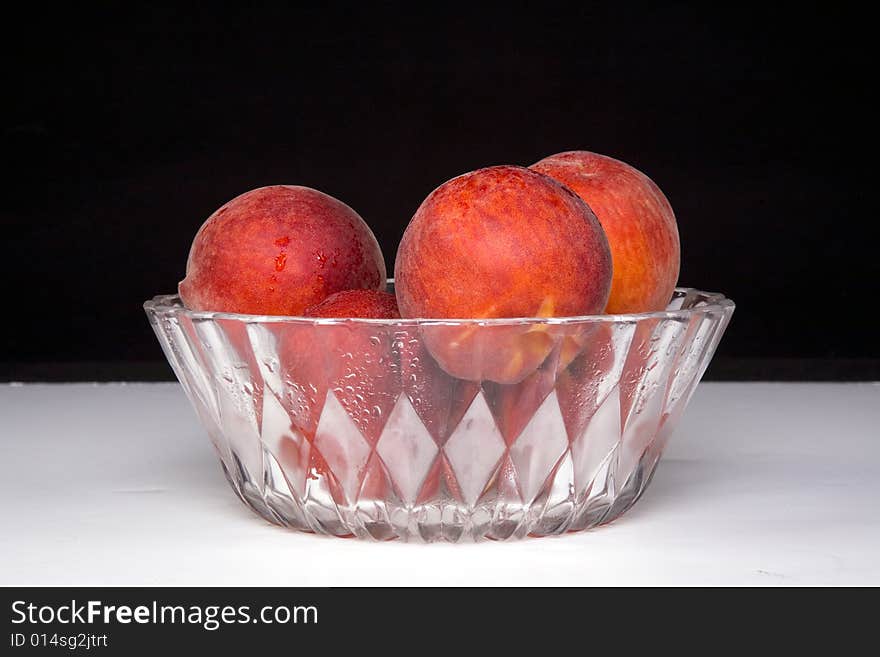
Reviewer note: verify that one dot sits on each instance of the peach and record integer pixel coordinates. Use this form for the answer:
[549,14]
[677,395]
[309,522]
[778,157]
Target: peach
[278,250]
[350,362]
[347,361]
[498,242]
[638,221]
[366,304]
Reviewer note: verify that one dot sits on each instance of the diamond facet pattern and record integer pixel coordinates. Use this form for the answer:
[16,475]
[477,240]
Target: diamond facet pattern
[474,448]
[538,448]
[407,448]
[369,436]
[342,446]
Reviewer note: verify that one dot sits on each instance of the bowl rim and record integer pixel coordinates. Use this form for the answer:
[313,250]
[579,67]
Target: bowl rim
[714,302]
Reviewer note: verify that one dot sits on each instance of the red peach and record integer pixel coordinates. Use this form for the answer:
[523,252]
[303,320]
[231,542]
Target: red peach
[350,361]
[366,304]
[278,250]
[638,221]
[500,242]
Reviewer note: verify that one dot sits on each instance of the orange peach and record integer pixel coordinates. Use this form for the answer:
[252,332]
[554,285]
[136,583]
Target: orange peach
[500,242]
[278,250]
[638,221]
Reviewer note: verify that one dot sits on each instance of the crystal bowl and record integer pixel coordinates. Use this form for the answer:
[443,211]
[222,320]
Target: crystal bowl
[433,430]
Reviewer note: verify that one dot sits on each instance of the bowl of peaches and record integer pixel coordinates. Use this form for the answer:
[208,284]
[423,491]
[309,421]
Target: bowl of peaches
[519,375]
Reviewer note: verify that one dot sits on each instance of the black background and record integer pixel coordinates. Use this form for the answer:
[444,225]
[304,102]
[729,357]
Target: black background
[122,132]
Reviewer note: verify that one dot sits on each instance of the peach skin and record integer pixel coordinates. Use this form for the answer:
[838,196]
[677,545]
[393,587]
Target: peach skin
[366,304]
[278,250]
[499,242]
[638,221]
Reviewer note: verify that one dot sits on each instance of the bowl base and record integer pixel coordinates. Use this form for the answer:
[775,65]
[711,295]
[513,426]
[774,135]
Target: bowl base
[447,519]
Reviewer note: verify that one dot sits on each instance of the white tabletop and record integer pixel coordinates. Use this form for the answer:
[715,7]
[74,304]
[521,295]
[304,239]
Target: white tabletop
[762,484]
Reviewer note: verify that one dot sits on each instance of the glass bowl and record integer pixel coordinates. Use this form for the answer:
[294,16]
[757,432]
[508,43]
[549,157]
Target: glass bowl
[434,430]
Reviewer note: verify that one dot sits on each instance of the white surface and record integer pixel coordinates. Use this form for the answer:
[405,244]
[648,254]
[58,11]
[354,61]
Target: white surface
[762,484]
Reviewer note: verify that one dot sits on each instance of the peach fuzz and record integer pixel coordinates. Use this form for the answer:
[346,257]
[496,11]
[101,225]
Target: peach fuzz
[638,221]
[499,242]
[278,250]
